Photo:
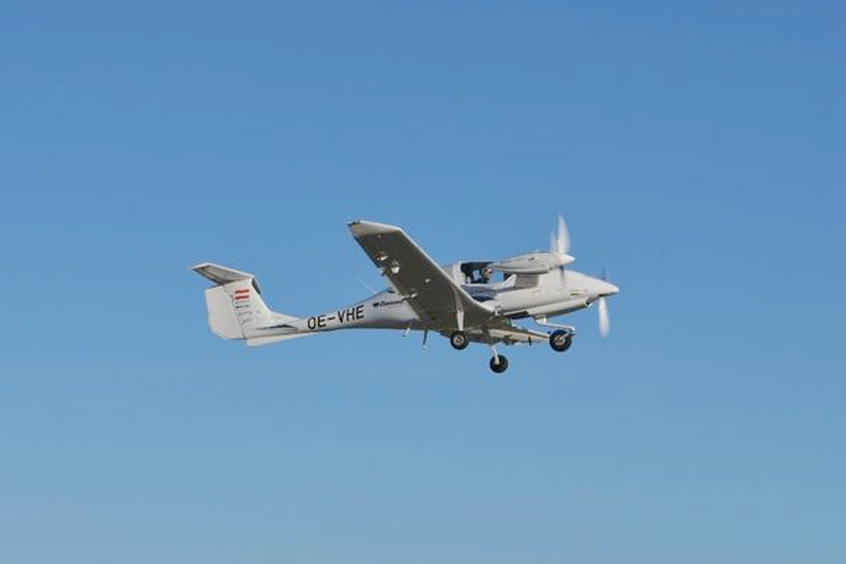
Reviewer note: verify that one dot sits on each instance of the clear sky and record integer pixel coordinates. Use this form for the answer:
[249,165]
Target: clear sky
[696,149]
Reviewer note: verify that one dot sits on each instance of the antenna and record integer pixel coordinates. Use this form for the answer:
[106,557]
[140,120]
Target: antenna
[366,285]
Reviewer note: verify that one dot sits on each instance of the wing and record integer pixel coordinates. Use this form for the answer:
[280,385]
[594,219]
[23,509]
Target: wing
[436,298]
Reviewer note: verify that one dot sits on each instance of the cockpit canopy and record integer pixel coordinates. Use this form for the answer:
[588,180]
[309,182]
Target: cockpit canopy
[471,272]
[476,272]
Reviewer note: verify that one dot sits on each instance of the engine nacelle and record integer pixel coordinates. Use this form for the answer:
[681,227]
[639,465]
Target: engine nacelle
[532,263]
[560,308]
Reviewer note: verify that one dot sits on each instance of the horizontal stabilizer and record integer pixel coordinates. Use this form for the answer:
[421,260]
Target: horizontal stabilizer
[223,275]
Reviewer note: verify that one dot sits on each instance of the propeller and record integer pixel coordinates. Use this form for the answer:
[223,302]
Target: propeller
[602,310]
[604,321]
[559,245]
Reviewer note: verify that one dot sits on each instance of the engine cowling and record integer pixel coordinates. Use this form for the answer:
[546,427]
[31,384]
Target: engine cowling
[537,262]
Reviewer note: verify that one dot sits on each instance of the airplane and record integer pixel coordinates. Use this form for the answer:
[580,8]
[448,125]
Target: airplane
[462,301]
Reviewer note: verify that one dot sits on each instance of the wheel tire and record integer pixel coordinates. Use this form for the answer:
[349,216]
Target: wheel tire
[560,340]
[459,340]
[501,366]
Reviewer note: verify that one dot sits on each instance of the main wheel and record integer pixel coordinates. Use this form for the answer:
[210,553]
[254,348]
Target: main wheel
[501,366]
[458,340]
[560,340]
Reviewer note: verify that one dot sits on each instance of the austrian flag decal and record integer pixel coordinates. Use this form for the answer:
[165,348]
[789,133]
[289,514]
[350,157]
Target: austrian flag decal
[242,294]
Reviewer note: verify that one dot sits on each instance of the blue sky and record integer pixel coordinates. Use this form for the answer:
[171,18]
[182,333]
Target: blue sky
[696,149]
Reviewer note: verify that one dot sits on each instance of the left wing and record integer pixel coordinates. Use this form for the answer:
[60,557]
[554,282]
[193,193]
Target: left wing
[433,295]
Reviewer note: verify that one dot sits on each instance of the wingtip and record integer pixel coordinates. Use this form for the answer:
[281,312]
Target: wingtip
[362,228]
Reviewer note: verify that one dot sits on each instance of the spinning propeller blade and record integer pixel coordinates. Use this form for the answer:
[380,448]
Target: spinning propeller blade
[559,245]
[561,242]
[604,321]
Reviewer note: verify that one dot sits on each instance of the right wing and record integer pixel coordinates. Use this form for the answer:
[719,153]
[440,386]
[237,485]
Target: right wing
[436,298]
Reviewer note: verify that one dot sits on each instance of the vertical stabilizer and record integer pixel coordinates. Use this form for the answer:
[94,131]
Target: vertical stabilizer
[235,306]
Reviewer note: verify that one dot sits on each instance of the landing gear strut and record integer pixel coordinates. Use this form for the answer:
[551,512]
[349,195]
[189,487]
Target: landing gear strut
[459,340]
[560,340]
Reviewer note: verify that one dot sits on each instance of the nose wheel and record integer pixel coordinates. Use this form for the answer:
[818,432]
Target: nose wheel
[459,341]
[499,364]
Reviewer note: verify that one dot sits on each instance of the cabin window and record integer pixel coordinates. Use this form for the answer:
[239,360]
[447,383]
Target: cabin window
[479,273]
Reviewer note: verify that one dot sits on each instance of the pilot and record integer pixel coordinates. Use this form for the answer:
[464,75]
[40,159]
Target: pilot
[485,276]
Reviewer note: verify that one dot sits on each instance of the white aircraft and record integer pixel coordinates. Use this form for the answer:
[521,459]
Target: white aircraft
[461,301]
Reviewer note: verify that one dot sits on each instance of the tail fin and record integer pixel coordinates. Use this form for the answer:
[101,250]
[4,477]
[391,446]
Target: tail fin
[235,306]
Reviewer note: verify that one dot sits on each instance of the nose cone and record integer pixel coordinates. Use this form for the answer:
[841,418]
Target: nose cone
[603,288]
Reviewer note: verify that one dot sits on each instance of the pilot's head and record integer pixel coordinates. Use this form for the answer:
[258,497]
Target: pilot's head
[487,273]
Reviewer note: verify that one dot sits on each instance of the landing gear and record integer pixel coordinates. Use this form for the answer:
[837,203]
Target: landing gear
[499,364]
[560,340]
[459,340]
